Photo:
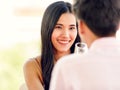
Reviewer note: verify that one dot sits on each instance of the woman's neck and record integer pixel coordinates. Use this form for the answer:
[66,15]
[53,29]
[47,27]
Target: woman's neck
[58,55]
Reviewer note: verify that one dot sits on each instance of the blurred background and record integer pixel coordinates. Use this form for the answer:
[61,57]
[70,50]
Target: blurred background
[20,22]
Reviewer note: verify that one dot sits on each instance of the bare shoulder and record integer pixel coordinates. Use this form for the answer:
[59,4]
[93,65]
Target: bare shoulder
[31,63]
[33,74]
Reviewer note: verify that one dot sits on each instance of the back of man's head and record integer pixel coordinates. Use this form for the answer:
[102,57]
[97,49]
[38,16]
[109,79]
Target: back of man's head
[101,16]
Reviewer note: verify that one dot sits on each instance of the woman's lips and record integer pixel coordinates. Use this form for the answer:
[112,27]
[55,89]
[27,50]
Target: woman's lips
[63,41]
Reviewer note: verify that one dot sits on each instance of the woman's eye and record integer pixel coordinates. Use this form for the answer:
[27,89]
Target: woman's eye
[58,27]
[72,28]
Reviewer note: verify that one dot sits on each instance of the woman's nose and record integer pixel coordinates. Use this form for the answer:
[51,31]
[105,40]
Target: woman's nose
[65,33]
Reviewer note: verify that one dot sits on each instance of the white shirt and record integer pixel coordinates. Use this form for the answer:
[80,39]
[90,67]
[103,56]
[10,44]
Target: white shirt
[99,69]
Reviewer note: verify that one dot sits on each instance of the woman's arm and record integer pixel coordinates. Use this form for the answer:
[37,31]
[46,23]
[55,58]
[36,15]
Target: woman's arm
[31,76]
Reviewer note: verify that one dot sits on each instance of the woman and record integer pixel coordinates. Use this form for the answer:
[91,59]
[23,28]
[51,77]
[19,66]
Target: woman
[58,34]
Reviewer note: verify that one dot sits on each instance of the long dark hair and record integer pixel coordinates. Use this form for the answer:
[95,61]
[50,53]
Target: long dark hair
[50,18]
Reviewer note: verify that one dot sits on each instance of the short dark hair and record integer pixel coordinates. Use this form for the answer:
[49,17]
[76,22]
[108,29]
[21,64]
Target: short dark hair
[101,16]
[50,18]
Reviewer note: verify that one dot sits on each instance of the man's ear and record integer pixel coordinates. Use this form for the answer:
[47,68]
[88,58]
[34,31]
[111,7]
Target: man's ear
[81,27]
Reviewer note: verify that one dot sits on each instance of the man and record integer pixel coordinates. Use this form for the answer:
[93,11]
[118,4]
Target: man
[99,68]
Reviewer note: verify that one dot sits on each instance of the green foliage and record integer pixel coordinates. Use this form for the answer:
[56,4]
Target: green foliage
[11,62]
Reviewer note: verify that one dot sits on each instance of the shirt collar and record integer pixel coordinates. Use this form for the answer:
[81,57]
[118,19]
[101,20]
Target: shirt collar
[106,42]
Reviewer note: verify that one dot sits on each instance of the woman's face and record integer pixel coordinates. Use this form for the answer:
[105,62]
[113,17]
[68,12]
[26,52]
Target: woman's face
[64,33]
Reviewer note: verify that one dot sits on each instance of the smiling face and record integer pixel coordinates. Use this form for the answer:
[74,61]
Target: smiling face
[64,33]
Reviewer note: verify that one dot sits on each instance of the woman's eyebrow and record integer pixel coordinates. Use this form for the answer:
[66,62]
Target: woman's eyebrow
[59,24]
[72,25]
